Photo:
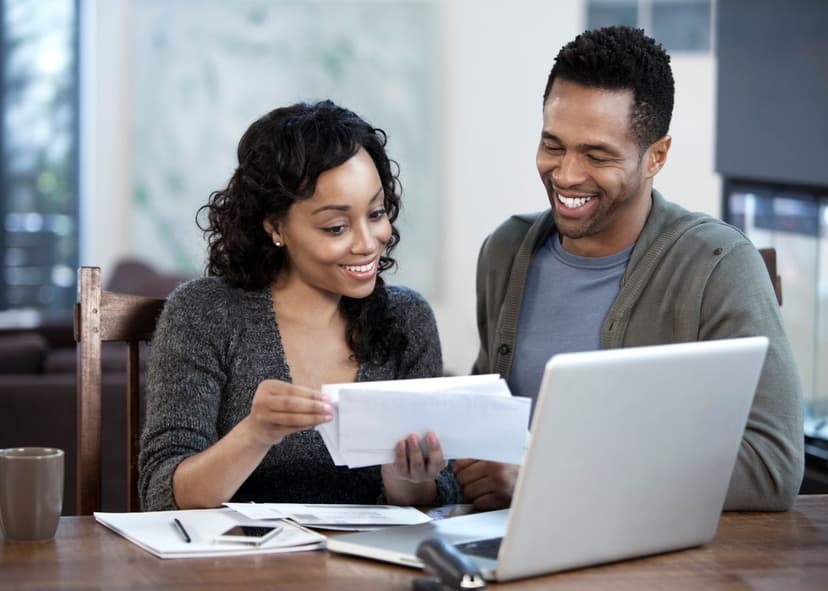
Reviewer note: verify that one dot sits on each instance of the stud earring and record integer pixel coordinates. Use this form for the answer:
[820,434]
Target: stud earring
[277,243]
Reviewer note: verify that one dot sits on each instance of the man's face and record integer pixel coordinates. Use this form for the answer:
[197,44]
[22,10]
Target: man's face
[597,180]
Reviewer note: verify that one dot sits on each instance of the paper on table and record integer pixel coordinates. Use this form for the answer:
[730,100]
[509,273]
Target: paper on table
[334,516]
[155,533]
[474,417]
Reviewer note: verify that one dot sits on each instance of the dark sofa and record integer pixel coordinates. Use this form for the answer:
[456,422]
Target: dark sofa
[38,387]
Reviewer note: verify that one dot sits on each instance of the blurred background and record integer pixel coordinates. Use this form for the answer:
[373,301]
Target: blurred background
[119,117]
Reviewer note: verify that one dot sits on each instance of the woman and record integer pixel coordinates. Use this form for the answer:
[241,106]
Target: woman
[294,299]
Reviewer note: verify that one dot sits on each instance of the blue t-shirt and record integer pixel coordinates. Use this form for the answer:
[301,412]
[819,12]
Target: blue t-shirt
[565,301]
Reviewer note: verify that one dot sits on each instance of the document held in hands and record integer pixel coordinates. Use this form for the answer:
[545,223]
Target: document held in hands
[473,417]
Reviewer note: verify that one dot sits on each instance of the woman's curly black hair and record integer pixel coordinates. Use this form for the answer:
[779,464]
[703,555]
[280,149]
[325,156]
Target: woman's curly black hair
[622,58]
[281,156]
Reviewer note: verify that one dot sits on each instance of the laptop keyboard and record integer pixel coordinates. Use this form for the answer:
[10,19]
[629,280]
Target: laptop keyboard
[484,548]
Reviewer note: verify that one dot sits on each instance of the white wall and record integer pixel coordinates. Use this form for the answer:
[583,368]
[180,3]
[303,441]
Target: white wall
[497,56]
[105,177]
[689,177]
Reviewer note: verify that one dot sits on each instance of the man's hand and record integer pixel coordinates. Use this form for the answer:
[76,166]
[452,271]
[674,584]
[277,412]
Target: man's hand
[489,485]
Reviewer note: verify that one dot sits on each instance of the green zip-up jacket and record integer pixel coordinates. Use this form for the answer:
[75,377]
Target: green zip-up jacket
[690,277]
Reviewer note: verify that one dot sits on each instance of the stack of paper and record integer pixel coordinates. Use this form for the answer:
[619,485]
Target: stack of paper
[473,417]
[334,517]
[157,533]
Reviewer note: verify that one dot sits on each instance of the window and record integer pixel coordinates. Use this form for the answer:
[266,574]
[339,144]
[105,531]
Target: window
[38,172]
[794,220]
[679,25]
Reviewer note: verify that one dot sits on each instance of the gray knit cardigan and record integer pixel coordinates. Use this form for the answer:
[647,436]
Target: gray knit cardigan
[212,347]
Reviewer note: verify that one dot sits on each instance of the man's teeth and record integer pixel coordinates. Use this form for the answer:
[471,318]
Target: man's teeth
[573,202]
[360,268]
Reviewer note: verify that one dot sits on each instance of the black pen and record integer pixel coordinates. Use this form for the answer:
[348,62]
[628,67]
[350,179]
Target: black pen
[180,527]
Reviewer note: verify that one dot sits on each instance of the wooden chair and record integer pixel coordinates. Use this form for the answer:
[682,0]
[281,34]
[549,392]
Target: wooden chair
[769,256]
[107,316]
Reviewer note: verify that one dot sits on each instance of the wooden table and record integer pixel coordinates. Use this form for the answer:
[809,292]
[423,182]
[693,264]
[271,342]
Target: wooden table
[751,551]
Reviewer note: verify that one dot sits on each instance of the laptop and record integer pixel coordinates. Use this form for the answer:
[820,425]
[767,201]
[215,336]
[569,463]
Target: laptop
[631,453]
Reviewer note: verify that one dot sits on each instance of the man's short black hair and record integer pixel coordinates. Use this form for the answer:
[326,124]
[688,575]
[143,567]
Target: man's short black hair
[622,58]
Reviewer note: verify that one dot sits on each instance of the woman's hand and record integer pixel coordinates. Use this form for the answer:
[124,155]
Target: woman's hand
[410,479]
[213,476]
[280,408]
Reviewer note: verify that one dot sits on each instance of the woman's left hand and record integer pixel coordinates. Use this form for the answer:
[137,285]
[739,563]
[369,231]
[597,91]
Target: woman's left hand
[409,480]
[411,464]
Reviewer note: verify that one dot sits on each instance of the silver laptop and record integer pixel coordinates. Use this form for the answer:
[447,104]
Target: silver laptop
[631,453]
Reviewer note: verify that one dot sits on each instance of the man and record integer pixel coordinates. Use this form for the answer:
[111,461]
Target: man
[613,264]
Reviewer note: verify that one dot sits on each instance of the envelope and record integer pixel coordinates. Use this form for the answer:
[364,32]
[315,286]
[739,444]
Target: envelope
[473,417]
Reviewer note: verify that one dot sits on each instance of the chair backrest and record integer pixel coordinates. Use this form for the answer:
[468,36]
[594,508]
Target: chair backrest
[107,316]
[769,256]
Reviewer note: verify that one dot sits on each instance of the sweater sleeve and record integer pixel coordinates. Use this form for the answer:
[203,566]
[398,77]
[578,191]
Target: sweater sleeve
[739,301]
[184,383]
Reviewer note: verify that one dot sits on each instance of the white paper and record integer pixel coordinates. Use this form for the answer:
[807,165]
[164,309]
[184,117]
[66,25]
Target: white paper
[473,417]
[154,532]
[490,383]
[334,516]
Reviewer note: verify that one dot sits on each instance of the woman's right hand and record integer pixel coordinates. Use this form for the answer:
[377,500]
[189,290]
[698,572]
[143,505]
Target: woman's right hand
[281,408]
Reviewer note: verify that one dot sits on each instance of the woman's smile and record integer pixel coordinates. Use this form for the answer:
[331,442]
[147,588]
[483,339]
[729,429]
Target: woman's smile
[362,271]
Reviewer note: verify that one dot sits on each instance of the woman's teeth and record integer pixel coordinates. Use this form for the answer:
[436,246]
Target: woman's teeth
[360,268]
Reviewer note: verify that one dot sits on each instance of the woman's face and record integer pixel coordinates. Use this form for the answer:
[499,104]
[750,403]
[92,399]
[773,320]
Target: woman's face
[334,239]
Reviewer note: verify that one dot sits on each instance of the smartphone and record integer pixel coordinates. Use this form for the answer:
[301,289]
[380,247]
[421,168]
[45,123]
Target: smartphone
[249,534]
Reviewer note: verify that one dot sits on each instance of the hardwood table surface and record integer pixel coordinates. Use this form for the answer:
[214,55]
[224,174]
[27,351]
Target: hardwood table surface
[786,550]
